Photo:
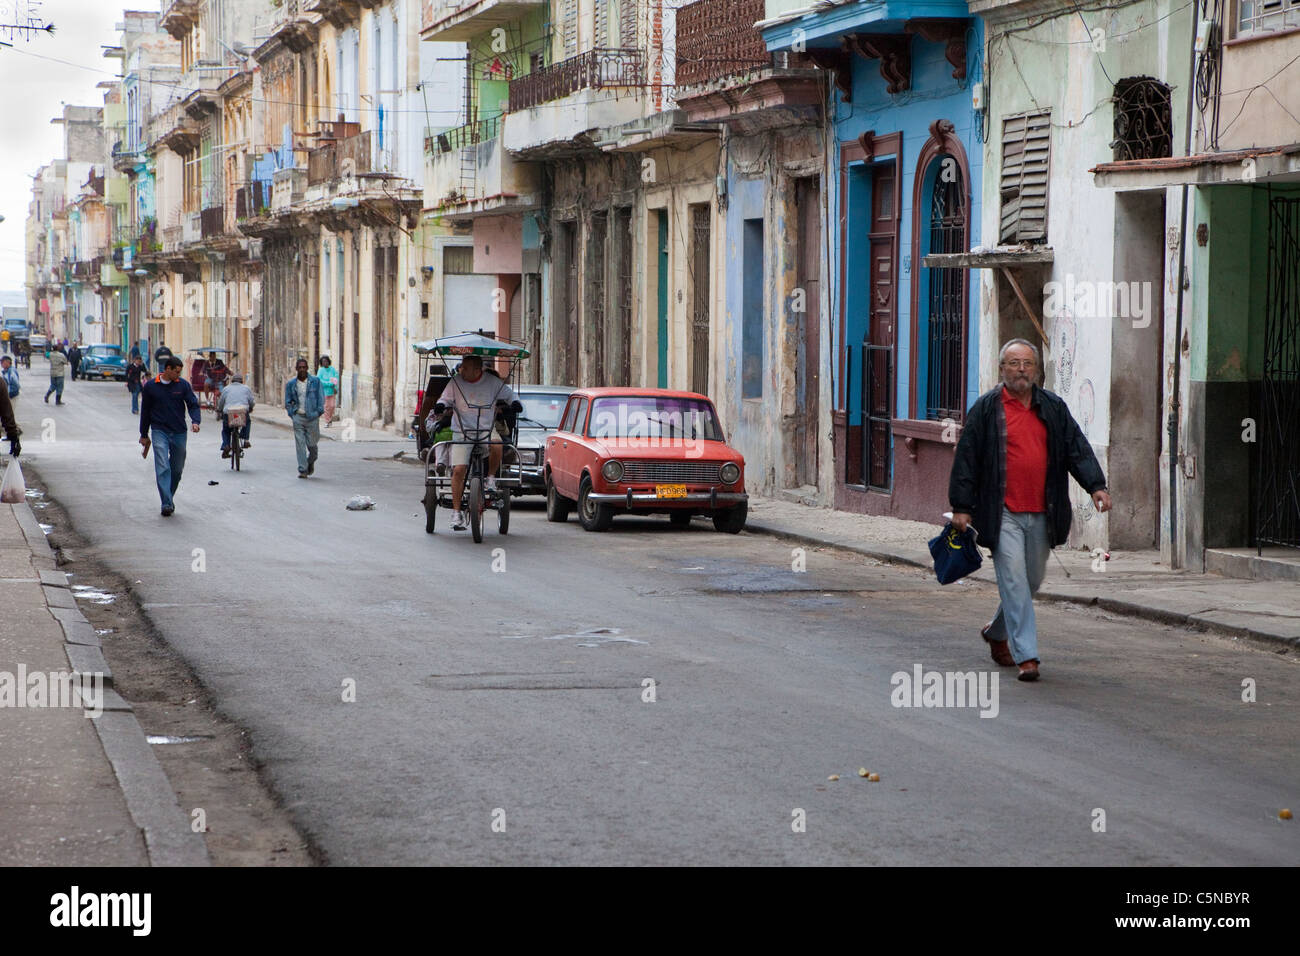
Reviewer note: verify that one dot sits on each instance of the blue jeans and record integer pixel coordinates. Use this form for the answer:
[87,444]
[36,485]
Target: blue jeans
[168,462]
[135,400]
[1020,562]
[306,436]
[56,388]
[226,430]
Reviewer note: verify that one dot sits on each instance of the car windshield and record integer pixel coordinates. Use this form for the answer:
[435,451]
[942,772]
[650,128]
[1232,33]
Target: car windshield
[105,350]
[653,416]
[545,408]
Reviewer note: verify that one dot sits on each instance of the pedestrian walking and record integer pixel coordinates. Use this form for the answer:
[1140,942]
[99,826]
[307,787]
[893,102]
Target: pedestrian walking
[12,431]
[135,352]
[305,403]
[10,376]
[1018,447]
[135,376]
[74,360]
[163,405]
[329,383]
[58,368]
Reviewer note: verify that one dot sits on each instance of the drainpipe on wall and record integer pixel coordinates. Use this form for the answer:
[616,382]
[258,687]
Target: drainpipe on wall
[1175,404]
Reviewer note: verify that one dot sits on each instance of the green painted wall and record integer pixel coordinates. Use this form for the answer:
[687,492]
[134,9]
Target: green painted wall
[523,37]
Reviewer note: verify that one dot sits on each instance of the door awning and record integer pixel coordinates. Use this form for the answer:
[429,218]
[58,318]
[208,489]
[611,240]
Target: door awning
[1260,164]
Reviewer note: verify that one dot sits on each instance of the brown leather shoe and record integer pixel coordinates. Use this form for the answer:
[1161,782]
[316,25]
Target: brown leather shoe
[999,650]
[1028,670]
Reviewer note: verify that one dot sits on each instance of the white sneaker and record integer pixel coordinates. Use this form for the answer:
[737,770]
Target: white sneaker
[462,521]
[490,483]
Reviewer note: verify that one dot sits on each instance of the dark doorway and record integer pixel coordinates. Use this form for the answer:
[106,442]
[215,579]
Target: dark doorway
[807,332]
[1278,520]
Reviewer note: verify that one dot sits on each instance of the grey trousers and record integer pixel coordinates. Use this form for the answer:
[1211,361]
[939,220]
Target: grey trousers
[1020,562]
[306,436]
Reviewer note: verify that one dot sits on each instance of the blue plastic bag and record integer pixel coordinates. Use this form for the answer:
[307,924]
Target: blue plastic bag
[955,554]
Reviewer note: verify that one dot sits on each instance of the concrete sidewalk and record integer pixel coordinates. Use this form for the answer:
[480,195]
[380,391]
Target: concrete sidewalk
[1134,583]
[78,791]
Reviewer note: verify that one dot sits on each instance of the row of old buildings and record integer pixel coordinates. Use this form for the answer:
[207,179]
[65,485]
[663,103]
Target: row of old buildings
[825,215]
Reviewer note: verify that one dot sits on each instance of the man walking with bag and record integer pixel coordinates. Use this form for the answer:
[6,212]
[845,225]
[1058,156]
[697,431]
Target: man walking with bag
[1018,447]
[164,402]
[305,404]
[58,368]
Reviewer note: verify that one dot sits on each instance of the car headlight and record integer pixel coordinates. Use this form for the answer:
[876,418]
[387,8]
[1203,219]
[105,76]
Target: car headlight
[612,471]
[729,473]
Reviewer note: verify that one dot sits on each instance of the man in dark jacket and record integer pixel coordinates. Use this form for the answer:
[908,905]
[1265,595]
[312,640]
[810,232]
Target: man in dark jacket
[164,403]
[1009,476]
[12,431]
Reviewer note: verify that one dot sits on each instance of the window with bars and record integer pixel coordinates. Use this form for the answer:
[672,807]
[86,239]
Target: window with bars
[1026,147]
[1267,16]
[1143,119]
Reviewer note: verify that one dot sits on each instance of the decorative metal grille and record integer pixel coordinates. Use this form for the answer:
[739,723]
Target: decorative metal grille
[1267,16]
[595,69]
[946,296]
[1278,516]
[716,38]
[1143,119]
[701,240]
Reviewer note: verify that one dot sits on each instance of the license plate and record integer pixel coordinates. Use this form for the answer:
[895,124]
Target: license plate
[106,374]
[670,491]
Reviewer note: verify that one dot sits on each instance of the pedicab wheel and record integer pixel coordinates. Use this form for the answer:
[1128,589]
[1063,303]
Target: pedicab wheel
[503,513]
[476,508]
[430,508]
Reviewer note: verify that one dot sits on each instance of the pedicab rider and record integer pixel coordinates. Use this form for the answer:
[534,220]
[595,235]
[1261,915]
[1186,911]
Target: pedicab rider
[470,387]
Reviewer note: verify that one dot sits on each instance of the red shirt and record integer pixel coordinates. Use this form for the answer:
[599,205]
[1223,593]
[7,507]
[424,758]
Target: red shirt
[1026,456]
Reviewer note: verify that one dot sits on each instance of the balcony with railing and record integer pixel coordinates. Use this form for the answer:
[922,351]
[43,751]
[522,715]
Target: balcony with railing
[212,222]
[469,173]
[598,89]
[718,49]
[461,20]
[341,159]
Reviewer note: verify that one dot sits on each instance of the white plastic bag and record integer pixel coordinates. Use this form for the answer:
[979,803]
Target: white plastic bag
[12,490]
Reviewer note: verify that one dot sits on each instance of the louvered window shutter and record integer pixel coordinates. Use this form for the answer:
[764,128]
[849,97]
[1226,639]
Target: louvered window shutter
[1026,142]
[602,24]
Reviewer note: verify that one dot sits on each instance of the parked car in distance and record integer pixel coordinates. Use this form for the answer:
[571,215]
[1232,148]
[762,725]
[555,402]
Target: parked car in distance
[645,451]
[543,406]
[103,361]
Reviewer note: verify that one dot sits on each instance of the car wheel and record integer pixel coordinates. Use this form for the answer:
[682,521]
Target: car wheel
[593,516]
[557,506]
[680,519]
[731,521]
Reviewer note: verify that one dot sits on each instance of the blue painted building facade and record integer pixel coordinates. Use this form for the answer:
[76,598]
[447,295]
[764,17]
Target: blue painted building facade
[903,181]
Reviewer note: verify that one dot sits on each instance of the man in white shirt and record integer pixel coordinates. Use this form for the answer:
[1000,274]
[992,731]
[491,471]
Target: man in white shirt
[474,399]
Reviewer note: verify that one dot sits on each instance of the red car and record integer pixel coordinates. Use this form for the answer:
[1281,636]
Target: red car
[643,450]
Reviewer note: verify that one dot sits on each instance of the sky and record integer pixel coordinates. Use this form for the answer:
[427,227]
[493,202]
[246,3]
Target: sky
[34,91]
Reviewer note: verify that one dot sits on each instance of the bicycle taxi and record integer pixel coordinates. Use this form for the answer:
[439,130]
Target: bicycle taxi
[437,357]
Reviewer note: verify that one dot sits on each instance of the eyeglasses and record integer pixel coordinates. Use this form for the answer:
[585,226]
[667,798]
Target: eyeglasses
[1020,363]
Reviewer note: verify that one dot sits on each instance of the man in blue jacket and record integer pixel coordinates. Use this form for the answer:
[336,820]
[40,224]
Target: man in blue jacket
[305,402]
[163,404]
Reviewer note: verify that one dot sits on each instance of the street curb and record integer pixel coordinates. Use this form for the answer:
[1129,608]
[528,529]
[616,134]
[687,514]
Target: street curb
[1113,605]
[148,793]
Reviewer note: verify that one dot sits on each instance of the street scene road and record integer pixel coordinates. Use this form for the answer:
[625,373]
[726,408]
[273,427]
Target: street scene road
[653,695]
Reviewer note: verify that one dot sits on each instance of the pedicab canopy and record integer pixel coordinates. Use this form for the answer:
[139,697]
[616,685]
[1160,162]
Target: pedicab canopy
[471,343]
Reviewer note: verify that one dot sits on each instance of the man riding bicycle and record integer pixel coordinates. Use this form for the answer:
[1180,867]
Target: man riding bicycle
[475,401]
[233,396]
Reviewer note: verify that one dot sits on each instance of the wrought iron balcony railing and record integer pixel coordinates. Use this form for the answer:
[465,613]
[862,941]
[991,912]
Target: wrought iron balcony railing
[336,160]
[596,69]
[716,38]
[470,134]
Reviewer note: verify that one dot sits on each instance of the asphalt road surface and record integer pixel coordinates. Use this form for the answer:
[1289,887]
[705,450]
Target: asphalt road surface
[501,716]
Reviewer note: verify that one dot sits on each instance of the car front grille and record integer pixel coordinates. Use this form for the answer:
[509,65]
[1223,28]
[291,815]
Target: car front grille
[684,472]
